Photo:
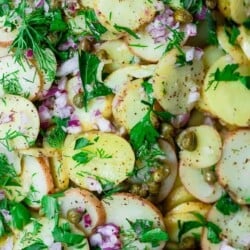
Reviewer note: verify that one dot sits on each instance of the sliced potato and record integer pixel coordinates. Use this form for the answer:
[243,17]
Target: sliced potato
[183,214]
[118,78]
[24,77]
[234,51]
[59,173]
[84,201]
[240,10]
[224,7]
[87,3]
[174,86]
[7,37]
[116,12]
[171,162]
[235,229]
[145,47]
[19,126]
[177,196]
[121,207]
[4,51]
[233,168]
[211,54]
[119,54]
[193,180]
[23,239]
[127,106]
[111,159]
[244,40]
[207,146]
[40,152]
[230,101]
[36,180]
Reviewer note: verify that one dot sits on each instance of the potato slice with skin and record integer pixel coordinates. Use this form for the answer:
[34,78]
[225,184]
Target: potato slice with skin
[240,10]
[177,196]
[120,77]
[211,54]
[233,169]
[23,239]
[183,214]
[87,3]
[26,77]
[36,180]
[59,173]
[7,37]
[192,178]
[40,152]
[172,163]
[119,54]
[173,85]
[85,201]
[116,12]
[234,51]
[145,47]
[244,40]
[224,7]
[235,229]
[121,207]
[230,101]
[208,149]
[113,158]
[127,106]
[19,125]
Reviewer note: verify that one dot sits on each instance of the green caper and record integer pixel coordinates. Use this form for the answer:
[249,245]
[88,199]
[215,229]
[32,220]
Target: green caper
[153,187]
[135,189]
[159,175]
[209,176]
[183,16]
[74,216]
[78,100]
[187,243]
[167,130]
[211,4]
[187,140]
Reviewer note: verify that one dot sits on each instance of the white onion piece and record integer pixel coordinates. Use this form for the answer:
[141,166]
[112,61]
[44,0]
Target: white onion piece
[56,246]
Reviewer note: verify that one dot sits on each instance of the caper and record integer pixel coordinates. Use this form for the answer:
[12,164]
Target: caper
[78,100]
[143,191]
[167,130]
[74,216]
[154,187]
[159,175]
[187,140]
[211,4]
[183,16]
[187,243]
[135,189]
[210,176]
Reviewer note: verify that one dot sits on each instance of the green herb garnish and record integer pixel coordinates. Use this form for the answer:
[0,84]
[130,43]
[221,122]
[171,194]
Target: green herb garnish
[226,205]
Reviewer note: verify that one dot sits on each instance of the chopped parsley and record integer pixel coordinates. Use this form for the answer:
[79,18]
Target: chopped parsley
[126,29]
[88,72]
[212,36]
[38,245]
[232,32]
[228,74]
[213,231]
[57,134]
[144,231]
[226,205]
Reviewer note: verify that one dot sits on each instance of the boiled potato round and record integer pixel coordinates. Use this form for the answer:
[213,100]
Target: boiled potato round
[174,85]
[208,149]
[21,126]
[230,100]
[119,160]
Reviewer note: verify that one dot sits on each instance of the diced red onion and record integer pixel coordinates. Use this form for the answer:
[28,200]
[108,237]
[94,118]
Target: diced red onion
[68,67]
[62,83]
[193,97]
[198,53]
[6,118]
[180,120]
[108,229]
[95,239]
[61,100]
[93,184]
[103,124]
[29,53]
[2,194]
[39,3]
[159,6]
[189,54]
[202,14]
[191,29]
[209,121]
[44,113]
[56,246]
[68,44]
[87,220]
[6,215]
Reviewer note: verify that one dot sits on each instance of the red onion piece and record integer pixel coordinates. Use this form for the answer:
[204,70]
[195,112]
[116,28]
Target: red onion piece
[56,246]
[6,215]
[68,67]
[67,45]
[29,53]
[93,184]
[2,194]
[39,3]
[202,14]
[191,29]
[87,220]
[180,120]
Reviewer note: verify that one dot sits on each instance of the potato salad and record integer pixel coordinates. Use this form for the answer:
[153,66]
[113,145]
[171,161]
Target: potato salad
[125,125]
